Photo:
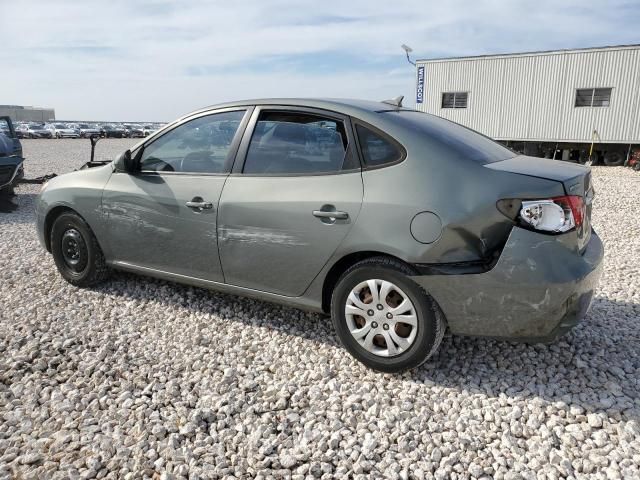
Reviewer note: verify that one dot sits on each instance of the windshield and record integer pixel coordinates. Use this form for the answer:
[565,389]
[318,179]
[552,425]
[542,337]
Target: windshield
[464,141]
[37,127]
[59,125]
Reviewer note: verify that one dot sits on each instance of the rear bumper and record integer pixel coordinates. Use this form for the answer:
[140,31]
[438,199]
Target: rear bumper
[538,290]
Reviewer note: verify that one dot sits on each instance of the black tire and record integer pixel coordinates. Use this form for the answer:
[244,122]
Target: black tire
[613,159]
[91,267]
[430,320]
[583,157]
[589,160]
[636,166]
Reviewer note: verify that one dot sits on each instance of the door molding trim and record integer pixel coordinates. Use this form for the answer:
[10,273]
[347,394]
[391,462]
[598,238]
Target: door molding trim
[302,302]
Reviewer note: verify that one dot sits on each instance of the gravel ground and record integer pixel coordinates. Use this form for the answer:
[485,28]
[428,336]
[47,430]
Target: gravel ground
[144,378]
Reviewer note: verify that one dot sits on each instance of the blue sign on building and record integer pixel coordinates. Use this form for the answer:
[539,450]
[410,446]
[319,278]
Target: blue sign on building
[420,90]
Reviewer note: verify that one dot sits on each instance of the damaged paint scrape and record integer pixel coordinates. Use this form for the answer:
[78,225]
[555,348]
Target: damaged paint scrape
[536,285]
[259,235]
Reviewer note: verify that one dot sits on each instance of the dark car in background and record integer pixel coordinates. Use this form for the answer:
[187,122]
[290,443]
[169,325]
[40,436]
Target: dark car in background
[11,159]
[113,131]
[134,131]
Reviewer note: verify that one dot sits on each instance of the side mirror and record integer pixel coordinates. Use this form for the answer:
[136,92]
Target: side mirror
[125,163]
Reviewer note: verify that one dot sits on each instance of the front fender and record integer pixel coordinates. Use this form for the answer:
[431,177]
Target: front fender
[80,191]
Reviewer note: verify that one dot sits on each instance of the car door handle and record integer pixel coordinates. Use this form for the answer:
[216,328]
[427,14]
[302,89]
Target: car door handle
[331,214]
[199,204]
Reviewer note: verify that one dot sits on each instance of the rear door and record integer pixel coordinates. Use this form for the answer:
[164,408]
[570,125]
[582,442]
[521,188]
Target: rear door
[164,217]
[294,194]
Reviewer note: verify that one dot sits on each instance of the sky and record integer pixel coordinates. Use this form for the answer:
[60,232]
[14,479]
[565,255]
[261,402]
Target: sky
[154,60]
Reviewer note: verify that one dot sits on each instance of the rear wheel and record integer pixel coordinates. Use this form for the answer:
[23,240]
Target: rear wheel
[383,318]
[76,251]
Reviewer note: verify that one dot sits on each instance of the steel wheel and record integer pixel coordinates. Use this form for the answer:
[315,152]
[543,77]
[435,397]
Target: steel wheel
[381,317]
[74,250]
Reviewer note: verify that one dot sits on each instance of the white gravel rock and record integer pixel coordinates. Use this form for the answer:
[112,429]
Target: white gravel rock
[139,378]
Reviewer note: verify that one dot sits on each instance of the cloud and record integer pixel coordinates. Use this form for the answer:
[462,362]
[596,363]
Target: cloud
[155,59]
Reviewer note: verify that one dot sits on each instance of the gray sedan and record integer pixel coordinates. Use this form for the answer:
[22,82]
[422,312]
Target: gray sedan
[397,223]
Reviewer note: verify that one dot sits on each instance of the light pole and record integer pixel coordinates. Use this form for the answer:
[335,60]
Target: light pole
[407,49]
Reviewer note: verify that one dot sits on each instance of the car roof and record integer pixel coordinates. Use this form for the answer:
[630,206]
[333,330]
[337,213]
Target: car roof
[347,106]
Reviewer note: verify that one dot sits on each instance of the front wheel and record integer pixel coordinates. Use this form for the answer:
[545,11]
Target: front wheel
[76,251]
[384,318]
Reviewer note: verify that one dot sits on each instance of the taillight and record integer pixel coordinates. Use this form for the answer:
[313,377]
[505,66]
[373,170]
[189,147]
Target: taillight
[575,203]
[559,214]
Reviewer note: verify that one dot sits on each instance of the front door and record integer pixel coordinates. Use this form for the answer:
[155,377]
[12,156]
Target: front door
[291,202]
[164,216]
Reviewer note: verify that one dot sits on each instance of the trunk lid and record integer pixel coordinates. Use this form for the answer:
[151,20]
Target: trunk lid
[575,178]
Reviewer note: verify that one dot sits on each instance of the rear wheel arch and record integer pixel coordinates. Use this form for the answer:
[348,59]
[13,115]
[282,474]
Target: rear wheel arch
[346,262]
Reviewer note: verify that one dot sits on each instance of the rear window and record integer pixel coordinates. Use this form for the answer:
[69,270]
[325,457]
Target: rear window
[461,140]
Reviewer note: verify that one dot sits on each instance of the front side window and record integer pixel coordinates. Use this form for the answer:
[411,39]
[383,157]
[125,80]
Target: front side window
[201,145]
[376,149]
[593,97]
[454,99]
[298,143]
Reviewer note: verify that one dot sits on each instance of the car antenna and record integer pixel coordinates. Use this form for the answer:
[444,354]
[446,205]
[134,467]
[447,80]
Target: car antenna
[396,102]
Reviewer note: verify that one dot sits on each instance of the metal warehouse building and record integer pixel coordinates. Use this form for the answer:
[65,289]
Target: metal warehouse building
[27,114]
[564,104]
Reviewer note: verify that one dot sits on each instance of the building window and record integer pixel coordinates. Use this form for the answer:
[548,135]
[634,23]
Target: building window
[454,99]
[593,97]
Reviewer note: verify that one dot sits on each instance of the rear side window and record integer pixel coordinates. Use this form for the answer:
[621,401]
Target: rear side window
[298,143]
[376,149]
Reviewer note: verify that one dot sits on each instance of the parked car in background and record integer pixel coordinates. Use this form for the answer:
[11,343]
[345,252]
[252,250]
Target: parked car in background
[398,223]
[85,129]
[134,131]
[33,131]
[113,131]
[148,130]
[11,159]
[60,130]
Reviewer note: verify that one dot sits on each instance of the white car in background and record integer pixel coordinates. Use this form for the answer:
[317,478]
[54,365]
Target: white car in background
[86,130]
[148,130]
[60,130]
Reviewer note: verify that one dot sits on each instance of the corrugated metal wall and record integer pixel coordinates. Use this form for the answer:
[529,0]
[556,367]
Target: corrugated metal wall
[29,114]
[532,96]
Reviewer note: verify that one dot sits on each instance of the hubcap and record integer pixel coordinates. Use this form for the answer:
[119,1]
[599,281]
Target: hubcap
[389,329]
[73,249]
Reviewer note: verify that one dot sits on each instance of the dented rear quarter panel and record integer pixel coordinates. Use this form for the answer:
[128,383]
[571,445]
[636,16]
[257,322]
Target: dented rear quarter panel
[533,287]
